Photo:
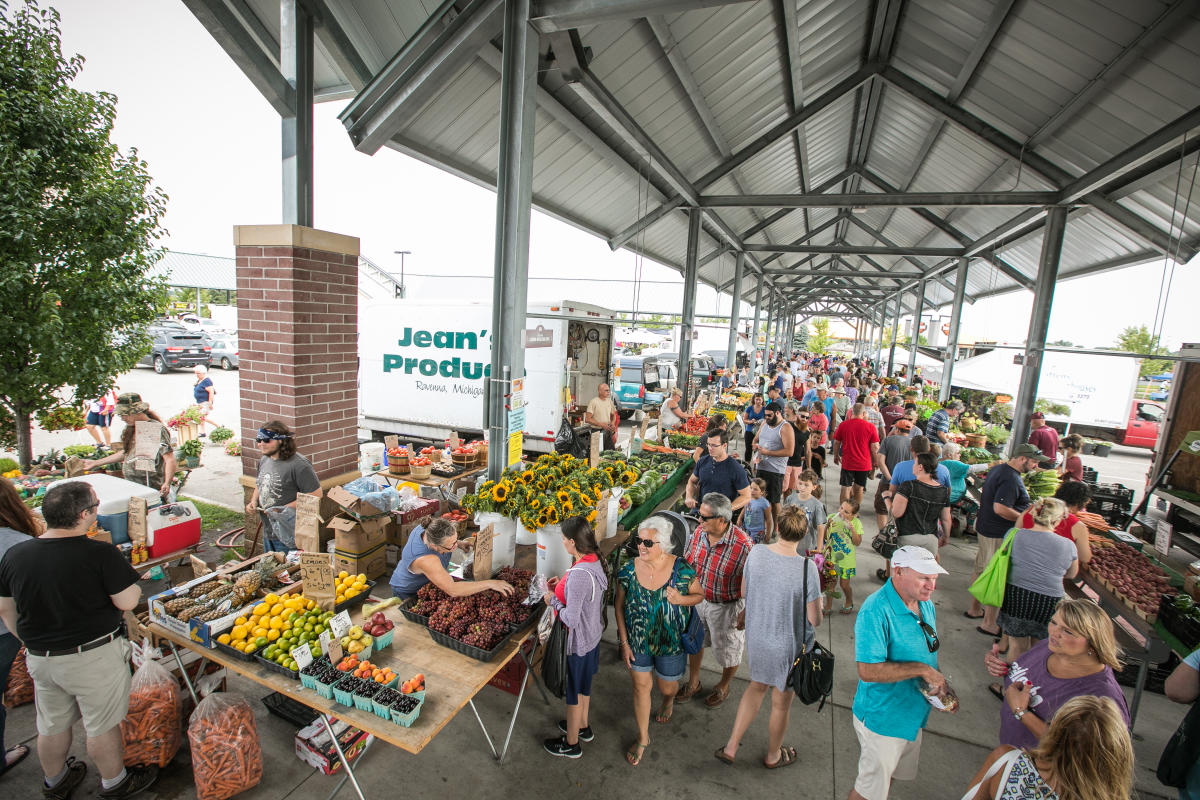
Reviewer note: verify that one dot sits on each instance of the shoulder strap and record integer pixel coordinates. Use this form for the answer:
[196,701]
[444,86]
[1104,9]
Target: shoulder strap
[589,574]
[804,611]
[1006,762]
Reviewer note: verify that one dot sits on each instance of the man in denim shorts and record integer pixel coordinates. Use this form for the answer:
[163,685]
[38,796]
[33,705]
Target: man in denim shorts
[64,595]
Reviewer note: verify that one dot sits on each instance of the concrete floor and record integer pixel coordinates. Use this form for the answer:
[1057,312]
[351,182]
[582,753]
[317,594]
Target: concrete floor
[679,759]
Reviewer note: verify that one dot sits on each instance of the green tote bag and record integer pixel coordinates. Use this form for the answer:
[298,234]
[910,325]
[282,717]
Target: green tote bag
[988,588]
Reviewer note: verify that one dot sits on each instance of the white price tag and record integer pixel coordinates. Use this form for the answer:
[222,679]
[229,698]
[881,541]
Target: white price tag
[302,655]
[1162,537]
[325,638]
[340,624]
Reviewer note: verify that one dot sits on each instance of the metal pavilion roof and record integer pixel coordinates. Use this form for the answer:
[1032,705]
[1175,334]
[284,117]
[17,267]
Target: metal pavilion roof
[647,108]
[197,271]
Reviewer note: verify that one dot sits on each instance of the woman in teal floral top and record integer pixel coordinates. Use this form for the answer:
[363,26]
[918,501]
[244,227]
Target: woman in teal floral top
[654,594]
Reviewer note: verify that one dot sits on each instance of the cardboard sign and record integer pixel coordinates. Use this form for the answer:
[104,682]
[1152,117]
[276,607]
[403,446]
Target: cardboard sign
[1162,537]
[331,646]
[147,438]
[597,446]
[483,553]
[308,519]
[200,567]
[601,526]
[340,624]
[137,521]
[317,571]
[302,655]
[391,441]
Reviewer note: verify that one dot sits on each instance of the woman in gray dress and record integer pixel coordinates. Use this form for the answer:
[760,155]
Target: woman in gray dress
[776,607]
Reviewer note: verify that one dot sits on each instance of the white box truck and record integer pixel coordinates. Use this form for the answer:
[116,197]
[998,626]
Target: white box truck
[422,366]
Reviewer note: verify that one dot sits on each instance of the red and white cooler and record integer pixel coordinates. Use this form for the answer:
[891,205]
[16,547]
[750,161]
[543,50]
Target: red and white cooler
[172,527]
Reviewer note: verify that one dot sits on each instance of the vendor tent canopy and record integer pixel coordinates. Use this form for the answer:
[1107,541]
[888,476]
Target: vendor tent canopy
[638,336]
[196,271]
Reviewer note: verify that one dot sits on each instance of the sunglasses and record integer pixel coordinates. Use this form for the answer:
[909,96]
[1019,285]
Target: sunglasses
[802,416]
[706,519]
[261,439]
[931,638]
[647,543]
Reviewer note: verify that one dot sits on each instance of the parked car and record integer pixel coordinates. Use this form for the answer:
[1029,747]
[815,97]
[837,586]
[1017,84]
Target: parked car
[704,369]
[640,385]
[225,351]
[172,348]
[719,357]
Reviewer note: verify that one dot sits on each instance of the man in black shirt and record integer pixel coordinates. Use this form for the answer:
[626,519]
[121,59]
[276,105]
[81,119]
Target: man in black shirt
[717,472]
[63,594]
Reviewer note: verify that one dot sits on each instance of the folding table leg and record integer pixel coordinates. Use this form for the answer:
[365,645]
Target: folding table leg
[345,761]
[483,728]
[529,673]
[187,679]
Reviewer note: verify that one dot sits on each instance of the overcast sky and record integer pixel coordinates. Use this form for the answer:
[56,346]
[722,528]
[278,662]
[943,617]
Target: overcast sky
[213,144]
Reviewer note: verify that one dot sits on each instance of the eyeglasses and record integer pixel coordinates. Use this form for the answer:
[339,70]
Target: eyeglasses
[706,519]
[93,505]
[715,444]
[647,543]
[931,637]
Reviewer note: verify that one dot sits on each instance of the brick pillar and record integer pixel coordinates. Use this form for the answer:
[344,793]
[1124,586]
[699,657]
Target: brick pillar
[297,297]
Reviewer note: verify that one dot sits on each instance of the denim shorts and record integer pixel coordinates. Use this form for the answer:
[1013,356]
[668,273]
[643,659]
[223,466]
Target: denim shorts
[667,668]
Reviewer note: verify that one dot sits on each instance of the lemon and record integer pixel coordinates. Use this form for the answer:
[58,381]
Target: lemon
[276,623]
[240,621]
[253,621]
[239,631]
[240,646]
[341,598]
[277,609]
[343,574]
[360,578]
[261,610]
[351,593]
[259,631]
[271,599]
[224,638]
[272,635]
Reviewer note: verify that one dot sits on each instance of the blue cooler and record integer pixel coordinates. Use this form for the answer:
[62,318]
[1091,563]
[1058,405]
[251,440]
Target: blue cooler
[113,494]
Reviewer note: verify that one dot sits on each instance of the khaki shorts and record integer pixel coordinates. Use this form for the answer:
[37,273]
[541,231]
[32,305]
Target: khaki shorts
[720,631]
[882,759]
[92,686]
[927,540]
[987,548]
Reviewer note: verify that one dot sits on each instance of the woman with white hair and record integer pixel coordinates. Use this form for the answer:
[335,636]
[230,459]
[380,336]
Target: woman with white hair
[671,414]
[654,593]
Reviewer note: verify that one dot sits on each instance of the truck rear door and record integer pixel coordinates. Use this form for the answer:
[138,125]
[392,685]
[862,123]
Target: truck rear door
[1144,419]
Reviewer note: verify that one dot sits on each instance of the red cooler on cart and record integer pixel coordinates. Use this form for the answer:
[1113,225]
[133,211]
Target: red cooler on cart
[172,527]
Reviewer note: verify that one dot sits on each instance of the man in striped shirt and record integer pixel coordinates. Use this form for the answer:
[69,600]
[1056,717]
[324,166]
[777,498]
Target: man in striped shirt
[937,428]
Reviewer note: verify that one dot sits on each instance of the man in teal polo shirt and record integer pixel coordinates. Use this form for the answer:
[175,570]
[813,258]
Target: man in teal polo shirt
[896,647]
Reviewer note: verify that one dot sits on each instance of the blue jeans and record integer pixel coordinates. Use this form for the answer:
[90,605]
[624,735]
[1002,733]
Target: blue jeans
[668,668]
[9,645]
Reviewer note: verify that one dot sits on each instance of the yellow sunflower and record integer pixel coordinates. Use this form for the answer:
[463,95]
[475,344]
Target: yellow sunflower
[535,503]
[552,515]
[592,516]
[562,495]
[500,492]
[567,508]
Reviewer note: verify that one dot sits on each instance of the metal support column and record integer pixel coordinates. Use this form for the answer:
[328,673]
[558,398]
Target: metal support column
[296,65]
[1039,323]
[687,324]
[514,194]
[960,293]
[731,352]
[768,342]
[918,309]
[758,293]
[891,361]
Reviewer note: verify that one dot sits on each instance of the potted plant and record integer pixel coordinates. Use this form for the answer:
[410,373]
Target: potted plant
[191,450]
[1089,447]
[1103,449]
[233,447]
[220,434]
[997,437]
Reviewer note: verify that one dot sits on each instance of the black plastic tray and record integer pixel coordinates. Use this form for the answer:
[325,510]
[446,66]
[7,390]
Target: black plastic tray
[286,708]
[357,600]
[538,608]
[232,653]
[466,649]
[413,616]
[271,665]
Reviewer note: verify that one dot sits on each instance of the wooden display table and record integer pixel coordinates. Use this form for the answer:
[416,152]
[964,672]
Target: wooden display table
[432,480]
[452,679]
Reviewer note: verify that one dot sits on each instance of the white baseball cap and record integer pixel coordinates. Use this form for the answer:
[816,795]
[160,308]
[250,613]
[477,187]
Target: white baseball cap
[918,558]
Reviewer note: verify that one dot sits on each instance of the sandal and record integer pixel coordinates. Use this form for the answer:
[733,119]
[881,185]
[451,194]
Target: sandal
[635,752]
[687,693]
[969,615]
[847,610]
[993,634]
[664,714]
[720,755]
[22,752]
[997,690]
[787,756]
[716,698]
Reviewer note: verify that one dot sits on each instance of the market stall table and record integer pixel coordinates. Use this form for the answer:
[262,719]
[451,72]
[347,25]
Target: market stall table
[433,481]
[453,680]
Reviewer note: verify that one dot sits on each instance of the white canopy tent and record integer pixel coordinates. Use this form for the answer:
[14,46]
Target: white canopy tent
[931,369]
[638,336]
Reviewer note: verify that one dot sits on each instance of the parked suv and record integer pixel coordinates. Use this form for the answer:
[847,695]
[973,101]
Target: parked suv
[704,369]
[225,351]
[172,348]
[640,385]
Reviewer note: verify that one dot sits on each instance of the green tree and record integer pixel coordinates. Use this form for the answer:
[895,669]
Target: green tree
[800,340]
[77,241]
[903,339]
[1140,340]
[820,340]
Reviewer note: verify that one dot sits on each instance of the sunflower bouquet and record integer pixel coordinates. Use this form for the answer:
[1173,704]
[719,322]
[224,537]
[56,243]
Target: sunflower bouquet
[549,490]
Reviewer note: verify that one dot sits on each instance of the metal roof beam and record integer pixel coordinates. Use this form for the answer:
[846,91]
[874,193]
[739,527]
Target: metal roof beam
[241,44]
[886,199]
[789,42]
[439,49]
[841,273]
[766,140]
[1018,152]
[851,250]
[549,16]
[337,44]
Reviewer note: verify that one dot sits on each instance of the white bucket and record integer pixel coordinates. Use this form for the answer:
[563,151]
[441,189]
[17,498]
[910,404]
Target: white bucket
[370,457]
[504,546]
[524,535]
[552,558]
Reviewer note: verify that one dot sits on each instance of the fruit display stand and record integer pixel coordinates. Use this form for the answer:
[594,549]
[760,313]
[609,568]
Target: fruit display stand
[432,481]
[453,680]
[634,516]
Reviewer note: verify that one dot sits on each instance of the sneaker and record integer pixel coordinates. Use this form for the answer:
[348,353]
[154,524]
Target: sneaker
[62,790]
[585,734]
[559,747]
[137,780]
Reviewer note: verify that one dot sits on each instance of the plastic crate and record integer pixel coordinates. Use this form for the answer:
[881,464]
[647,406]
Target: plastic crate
[233,653]
[466,649]
[271,665]
[413,616]
[1112,491]
[286,708]
[380,642]
[358,599]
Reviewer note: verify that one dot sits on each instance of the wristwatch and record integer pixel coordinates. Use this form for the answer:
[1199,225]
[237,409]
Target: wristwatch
[1018,714]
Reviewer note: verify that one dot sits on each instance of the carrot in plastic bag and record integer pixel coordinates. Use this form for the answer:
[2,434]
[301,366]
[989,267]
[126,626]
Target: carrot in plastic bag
[226,756]
[152,727]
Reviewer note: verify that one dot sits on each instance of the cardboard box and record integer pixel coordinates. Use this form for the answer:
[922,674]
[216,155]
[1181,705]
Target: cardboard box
[358,535]
[355,506]
[315,748]
[372,563]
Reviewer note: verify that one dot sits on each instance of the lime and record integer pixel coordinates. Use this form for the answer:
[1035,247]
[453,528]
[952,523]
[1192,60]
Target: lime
[261,642]
[271,652]
[293,666]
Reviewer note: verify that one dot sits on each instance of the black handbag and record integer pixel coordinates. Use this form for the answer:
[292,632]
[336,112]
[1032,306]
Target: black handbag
[811,677]
[887,541]
[692,638]
[554,660]
[1182,750]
